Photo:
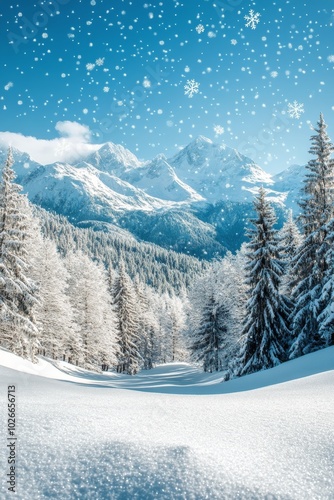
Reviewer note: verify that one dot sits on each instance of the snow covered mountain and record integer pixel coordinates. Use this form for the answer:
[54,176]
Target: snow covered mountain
[114,159]
[159,179]
[219,173]
[83,190]
[24,165]
[290,181]
[180,203]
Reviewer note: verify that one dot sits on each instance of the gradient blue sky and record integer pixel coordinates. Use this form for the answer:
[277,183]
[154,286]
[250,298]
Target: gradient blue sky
[120,67]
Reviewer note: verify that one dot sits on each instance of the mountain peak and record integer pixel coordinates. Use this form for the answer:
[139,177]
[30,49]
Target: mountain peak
[113,158]
[201,140]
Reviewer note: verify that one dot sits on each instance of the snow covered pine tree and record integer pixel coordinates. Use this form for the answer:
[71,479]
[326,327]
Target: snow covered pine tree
[125,308]
[310,265]
[18,331]
[266,331]
[290,241]
[209,328]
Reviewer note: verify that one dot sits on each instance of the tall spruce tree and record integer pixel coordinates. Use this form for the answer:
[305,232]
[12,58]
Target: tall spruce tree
[310,265]
[290,241]
[58,335]
[90,299]
[18,292]
[125,307]
[325,304]
[209,338]
[210,324]
[266,330]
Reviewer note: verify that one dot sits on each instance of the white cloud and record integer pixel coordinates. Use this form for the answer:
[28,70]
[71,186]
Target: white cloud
[71,146]
[74,130]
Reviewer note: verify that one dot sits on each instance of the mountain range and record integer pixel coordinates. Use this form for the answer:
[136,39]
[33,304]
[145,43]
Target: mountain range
[197,202]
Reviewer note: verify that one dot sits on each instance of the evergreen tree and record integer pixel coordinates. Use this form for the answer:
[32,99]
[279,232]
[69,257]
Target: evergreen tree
[58,333]
[232,294]
[266,330]
[209,322]
[147,325]
[209,336]
[177,315]
[126,311]
[18,293]
[90,300]
[290,241]
[325,304]
[310,265]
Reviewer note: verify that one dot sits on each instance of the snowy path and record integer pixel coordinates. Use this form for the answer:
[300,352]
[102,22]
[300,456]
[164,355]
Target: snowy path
[176,436]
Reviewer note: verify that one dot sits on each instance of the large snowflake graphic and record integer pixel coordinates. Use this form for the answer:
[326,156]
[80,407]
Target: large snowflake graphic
[253,19]
[191,88]
[99,61]
[218,130]
[199,28]
[295,109]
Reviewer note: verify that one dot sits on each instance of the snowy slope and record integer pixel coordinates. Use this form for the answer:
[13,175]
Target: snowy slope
[159,179]
[291,181]
[23,164]
[85,190]
[84,435]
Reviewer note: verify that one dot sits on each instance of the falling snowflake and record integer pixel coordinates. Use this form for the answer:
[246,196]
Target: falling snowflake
[253,18]
[146,83]
[9,85]
[295,109]
[200,28]
[90,66]
[106,89]
[218,129]
[330,59]
[99,61]
[234,41]
[191,88]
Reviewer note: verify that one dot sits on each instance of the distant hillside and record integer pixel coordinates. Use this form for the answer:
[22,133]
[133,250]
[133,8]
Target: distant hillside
[166,271]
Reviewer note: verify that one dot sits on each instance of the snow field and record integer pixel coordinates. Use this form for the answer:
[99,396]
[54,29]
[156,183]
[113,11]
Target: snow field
[84,435]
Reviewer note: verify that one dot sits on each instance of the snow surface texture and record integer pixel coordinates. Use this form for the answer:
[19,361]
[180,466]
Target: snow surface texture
[180,434]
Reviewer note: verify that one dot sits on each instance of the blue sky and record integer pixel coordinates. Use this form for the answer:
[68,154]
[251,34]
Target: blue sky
[120,70]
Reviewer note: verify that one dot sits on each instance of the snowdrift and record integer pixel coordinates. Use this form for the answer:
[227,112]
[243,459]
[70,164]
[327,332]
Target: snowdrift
[172,432]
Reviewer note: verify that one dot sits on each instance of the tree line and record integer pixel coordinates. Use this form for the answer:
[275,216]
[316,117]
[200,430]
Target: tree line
[274,300]
[63,303]
[104,301]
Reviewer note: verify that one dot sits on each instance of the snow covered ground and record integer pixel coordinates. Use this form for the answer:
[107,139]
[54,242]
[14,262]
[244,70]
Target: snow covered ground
[171,433]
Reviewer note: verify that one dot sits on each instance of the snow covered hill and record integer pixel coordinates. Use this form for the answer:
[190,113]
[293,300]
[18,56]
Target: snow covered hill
[112,185]
[172,432]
